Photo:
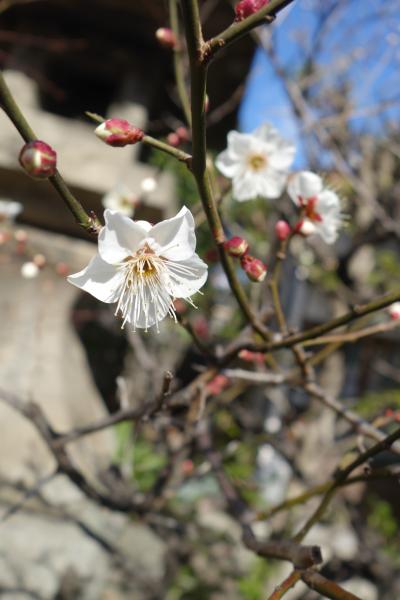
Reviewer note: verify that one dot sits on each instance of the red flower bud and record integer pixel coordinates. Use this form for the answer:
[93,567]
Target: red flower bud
[166,37]
[38,159]
[118,133]
[253,267]
[245,8]
[282,230]
[255,357]
[236,246]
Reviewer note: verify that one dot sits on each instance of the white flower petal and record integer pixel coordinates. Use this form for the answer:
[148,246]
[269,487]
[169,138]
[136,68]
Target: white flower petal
[245,186]
[239,144]
[120,237]
[176,236]
[266,132]
[271,185]
[283,157]
[228,164]
[100,279]
[327,201]
[186,277]
[304,185]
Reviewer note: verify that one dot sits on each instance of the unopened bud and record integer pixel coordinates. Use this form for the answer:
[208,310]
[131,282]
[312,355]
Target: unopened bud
[166,37]
[305,227]
[245,8]
[118,133]
[282,230]
[62,269]
[39,260]
[249,356]
[253,267]
[183,134]
[38,159]
[236,246]
[173,139]
[21,236]
[217,385]
[394,311]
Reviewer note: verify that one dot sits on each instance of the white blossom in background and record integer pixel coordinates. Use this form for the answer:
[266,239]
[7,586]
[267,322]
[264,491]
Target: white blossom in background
[143,268]
[122,199]
[9,210]
[29,270]
[257,162]
[320,206]
[148,185]
[273,474]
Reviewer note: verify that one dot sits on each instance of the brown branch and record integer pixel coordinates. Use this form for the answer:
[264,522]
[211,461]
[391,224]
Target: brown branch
[327,588]
[350,416]
[339,477]
[286,585]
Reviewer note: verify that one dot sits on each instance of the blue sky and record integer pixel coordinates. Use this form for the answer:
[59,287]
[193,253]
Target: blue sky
[364,37]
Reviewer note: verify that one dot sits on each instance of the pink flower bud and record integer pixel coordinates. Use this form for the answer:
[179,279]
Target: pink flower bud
[217,385]
[282,230]
[118,133]
[236,246]
[253,267]
[166,37]
[173,139]
[183,134]
[38,159]
[394,311]
[255,357]
[245,8]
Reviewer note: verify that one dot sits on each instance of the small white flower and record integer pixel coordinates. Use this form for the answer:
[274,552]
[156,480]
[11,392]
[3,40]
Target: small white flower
[122,199]
[148,185]
[256,162]
[9,209]
[143,268]
[29,270]
[320,206]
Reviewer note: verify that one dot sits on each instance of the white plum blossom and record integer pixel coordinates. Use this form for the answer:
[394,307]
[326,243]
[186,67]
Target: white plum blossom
[144,267]
[9,209]
[321,210]
[257,162]
[122,199]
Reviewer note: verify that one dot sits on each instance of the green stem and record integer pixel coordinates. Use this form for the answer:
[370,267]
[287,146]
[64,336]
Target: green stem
[179,69]
[198,80]
[16,116]
[175,152]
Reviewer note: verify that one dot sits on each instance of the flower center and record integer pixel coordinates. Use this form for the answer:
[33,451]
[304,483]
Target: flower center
[257,162]
[309,209]
[143,296]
